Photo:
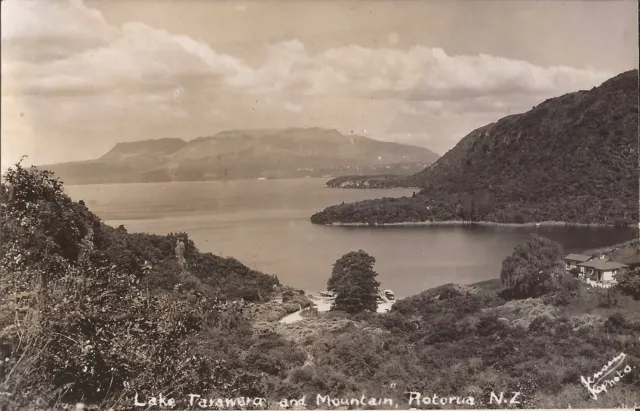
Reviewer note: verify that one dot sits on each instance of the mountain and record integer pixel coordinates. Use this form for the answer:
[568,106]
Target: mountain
[572,158]
[281,153]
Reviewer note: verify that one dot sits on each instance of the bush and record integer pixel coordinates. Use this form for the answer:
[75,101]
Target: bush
[628,282]
[566,287]
[568,282]
[609,298]
[616,322]
[287,296]
[530,270]
[449,292]
[558,298]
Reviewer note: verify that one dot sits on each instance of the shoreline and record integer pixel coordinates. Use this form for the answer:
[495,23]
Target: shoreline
[374,188]
[471,223]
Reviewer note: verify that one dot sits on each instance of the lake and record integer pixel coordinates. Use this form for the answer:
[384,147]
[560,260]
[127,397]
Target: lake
[265,224]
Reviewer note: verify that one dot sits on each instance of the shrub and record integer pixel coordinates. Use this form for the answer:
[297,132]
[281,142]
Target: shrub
[568,282]
[616,322]
[449,292]
[287,296]
[609,298]
[558,298]
[542,323]
[490,325]
[628,282]
[529,271]
[523,312]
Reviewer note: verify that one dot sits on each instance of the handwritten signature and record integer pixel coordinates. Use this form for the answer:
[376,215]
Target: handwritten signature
[605,378]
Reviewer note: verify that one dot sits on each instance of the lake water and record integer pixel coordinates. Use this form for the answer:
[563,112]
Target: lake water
[265,224]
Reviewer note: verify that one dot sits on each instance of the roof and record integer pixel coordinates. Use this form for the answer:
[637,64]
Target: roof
[602,265]
[578,257]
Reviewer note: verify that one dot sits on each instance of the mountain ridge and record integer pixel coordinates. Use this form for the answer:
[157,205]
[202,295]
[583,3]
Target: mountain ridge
[232,154]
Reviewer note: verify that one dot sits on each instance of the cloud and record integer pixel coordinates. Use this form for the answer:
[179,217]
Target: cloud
[294,108]
[393,38]
[421,73]
[75,75]
[410,110]
[82,51]
[72,21]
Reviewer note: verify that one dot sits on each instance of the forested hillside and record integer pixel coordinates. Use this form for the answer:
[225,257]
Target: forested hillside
[573,158]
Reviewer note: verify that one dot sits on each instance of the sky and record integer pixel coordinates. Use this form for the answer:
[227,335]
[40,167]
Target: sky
[80,76]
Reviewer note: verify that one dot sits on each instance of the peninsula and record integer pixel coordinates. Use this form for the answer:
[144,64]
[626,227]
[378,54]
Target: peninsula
[572,158]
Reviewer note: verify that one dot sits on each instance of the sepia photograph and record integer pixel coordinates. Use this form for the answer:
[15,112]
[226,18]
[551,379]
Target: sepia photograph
[319,205]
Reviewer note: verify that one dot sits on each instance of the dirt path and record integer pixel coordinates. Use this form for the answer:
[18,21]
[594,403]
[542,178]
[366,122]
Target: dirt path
[323,305]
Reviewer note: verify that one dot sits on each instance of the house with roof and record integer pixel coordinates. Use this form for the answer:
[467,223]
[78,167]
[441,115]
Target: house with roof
[600,271]
[572,260]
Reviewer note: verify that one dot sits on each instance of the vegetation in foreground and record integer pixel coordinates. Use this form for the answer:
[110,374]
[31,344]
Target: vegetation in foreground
[573,158]
[95,314]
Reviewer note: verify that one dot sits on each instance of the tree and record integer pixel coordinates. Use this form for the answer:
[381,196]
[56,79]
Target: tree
[354,282]
[629,282]
[530,270]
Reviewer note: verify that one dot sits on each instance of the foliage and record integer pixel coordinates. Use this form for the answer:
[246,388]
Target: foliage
[353,280]
[468,341]
[609,298]
[572,158]
[530,270]
[83,318]
[92,313]
[628,282]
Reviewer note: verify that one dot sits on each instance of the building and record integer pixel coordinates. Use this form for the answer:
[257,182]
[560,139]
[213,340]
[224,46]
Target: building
[600,271]
[572,260]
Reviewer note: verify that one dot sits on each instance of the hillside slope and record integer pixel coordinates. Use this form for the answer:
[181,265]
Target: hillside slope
[236,154]
[95,314]
[573,158]
[87,309]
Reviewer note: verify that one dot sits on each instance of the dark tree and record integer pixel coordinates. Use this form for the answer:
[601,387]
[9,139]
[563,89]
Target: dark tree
[354,282]
[629,282]
[530,270]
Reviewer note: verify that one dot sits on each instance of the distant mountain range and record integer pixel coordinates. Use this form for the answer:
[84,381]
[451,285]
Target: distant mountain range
[281,153]
[573,158]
